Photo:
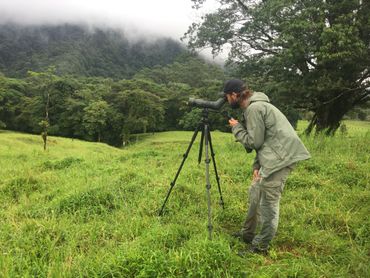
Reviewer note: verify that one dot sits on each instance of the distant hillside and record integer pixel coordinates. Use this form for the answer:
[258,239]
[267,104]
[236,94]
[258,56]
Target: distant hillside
[78,50]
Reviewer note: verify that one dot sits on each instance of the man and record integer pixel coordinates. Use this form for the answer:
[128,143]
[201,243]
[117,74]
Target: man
[278,148]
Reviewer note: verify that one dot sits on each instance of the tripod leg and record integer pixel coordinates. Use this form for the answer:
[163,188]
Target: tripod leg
[201,147]
[179,170]
[215,168]
[208,185]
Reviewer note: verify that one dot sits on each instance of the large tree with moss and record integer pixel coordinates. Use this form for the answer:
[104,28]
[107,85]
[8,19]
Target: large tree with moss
[314,54]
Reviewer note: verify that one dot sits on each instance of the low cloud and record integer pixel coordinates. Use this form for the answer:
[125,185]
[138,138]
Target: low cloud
[137,18]
[158,17]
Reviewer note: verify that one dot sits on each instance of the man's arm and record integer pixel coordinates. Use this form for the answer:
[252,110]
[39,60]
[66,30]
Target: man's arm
[253,135]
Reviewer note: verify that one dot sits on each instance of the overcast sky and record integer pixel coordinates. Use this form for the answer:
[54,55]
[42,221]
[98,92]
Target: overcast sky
[157,17]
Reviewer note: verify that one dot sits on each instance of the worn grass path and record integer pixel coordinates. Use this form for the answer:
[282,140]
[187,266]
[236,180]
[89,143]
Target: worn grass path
[89,210]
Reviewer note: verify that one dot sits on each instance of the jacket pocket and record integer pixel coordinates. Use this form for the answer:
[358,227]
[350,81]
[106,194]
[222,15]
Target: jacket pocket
[279,150]
[267,157]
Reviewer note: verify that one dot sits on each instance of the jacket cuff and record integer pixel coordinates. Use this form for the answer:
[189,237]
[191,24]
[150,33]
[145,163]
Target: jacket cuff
[237,127]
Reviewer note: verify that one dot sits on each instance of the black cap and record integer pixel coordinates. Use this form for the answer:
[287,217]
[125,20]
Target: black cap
[234,86]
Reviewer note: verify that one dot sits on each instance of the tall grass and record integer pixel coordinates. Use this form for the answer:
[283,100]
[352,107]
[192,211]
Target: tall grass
[89,210]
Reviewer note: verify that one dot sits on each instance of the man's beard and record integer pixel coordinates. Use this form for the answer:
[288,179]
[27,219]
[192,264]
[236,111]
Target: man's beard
[235,104]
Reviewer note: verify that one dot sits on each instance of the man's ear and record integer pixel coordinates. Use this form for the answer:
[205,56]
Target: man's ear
[245,94]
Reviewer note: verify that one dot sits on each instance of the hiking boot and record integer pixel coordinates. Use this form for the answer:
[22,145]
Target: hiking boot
[253,250]
[256,250]
[242,237]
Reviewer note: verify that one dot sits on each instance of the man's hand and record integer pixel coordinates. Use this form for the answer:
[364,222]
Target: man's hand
[233,122]
[256,176]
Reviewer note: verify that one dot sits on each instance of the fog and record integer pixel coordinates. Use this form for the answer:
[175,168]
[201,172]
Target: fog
[136,18]
[169,18]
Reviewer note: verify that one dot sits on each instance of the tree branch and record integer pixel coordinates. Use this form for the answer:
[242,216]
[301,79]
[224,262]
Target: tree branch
[363,98]
[311,63]
[270,39]
[244,6]
[257,47]
[366,93]
[366,75]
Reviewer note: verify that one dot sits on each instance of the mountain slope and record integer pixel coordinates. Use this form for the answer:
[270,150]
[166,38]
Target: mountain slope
[78,50]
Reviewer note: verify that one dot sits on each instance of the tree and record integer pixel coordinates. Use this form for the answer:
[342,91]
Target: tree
[44,124]
[187,69]
[135,111]
[71,118]
[310,54]
[95,118]
[11,93]
[188,76]
[175,104]
[43,83]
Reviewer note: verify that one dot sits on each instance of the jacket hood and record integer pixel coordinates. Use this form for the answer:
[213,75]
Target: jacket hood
[258,96]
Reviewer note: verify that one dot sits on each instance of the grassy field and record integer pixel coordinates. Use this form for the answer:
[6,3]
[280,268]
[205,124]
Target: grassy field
[89,210]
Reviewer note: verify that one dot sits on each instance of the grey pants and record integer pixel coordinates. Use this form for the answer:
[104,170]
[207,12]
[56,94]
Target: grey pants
[263,211]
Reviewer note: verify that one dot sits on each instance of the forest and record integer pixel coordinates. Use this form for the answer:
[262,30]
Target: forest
[107,110]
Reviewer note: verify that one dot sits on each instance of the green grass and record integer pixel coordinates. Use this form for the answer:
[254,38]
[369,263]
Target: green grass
[89,210]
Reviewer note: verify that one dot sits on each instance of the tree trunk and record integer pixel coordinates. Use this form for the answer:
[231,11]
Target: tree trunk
[45,133]
[125,138]
[328,116]
[44,138]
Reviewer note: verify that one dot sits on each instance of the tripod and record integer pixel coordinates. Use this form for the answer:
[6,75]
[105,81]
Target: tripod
[206,139]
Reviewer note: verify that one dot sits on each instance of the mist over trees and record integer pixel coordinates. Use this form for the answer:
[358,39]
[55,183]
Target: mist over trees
[312,55]
[79,50]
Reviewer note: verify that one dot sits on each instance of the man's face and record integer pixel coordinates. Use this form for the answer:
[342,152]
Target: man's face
[233,100]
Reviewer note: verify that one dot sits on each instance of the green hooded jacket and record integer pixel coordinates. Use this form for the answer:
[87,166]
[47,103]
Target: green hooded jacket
[269,132]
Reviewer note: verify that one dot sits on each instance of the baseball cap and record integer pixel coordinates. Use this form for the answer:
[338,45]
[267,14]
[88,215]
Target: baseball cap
[234,86]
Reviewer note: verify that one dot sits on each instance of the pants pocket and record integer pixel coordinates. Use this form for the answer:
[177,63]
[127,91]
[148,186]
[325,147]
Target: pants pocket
[272,193]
